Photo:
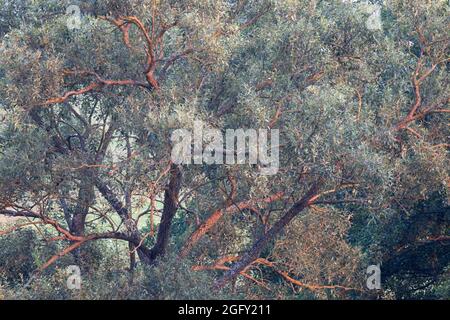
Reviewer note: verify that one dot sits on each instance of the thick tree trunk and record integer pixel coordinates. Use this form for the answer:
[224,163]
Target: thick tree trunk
[86,196]
[171,194]
[170,208]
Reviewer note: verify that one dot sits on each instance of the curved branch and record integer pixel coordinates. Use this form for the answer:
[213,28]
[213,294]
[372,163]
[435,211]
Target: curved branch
[312,287]
[259,245]
[91,87]
[195,237]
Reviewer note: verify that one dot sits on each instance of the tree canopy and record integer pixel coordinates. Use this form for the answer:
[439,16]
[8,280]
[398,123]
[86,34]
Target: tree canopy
[85,148]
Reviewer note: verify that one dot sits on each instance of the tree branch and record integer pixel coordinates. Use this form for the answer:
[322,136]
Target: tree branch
[254,252]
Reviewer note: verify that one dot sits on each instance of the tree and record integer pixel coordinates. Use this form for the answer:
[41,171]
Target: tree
[88,115]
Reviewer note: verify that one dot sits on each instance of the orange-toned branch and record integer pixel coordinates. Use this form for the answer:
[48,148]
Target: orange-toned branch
[312,287]
[248,258]
[220,265]
[100,83]
[61,254]
[417,78]
[218,214]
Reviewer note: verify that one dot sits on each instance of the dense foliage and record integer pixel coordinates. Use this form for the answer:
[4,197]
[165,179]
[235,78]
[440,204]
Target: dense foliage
[85,149]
